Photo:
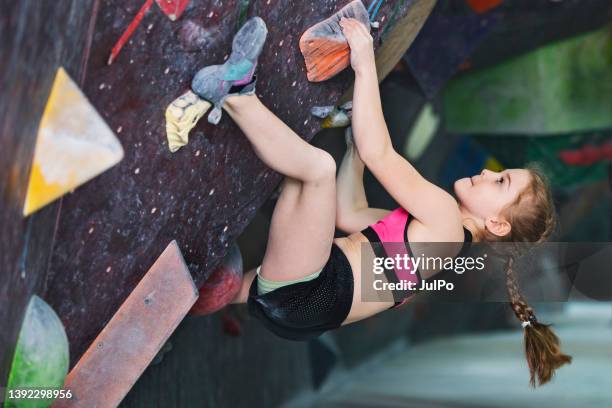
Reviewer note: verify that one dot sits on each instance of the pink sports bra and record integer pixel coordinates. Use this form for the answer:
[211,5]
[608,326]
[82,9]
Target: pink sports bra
[389,231]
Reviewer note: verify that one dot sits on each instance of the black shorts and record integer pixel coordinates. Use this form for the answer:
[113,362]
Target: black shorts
[304,310]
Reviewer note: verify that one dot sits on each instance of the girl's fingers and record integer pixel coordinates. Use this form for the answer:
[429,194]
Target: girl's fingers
[360,27]
[346,25]
[357,24]
[356,28]
[349,31]
[348,22]
[355,32]
[364,29]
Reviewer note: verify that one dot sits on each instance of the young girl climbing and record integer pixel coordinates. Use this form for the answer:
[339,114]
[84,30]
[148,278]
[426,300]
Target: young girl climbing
[310,282]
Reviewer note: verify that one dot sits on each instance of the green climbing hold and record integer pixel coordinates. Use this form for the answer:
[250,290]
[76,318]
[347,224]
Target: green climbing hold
[560,88]
[244,11]
[41,357]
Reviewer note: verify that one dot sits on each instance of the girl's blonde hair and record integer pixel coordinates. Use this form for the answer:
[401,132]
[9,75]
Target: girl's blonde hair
[533,219]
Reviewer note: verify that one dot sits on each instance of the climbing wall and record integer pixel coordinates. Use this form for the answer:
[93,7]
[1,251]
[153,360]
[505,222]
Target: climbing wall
[460,36]
[204,195]
[37,37]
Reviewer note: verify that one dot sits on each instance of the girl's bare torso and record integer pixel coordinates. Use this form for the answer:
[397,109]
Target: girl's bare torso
[353,245]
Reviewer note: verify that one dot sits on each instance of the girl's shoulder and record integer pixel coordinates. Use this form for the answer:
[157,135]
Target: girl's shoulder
[419,232]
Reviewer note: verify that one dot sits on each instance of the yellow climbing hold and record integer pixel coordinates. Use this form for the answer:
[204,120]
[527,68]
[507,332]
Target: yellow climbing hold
[492,164]
[73,145]
[181,116]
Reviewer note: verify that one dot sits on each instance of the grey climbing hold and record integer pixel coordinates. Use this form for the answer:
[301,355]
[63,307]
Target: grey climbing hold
[321,112]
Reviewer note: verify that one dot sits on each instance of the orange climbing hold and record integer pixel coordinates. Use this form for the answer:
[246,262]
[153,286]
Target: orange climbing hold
[482,6]
[324,47]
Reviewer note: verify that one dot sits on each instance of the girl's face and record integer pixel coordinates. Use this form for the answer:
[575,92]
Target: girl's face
[486,194]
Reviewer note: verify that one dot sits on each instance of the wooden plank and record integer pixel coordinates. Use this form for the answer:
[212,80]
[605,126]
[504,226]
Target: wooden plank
[129,342]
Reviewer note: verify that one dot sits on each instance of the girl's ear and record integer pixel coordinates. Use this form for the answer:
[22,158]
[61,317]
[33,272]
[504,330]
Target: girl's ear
[498,226]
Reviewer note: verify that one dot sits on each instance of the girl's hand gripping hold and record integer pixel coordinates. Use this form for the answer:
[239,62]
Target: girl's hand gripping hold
[361,43]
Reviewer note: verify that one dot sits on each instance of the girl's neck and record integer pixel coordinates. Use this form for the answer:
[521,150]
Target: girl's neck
[469,222]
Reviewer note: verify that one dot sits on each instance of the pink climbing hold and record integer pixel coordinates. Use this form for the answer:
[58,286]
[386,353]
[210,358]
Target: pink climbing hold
[222,285]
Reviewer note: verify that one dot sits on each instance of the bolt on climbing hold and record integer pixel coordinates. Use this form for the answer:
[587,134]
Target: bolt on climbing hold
[321,112]
[181,116]
[41,354]
[334,117]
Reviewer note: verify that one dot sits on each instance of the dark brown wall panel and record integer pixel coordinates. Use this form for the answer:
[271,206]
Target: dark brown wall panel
[35,38]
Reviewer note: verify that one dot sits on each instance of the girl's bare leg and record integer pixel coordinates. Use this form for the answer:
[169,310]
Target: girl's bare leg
[243,294]
[302,227]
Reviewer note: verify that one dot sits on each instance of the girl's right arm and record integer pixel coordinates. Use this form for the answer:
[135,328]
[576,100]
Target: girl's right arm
[436,209]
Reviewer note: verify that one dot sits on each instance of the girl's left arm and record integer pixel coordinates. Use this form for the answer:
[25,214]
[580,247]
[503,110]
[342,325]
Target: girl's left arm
[353,213]
[430,204]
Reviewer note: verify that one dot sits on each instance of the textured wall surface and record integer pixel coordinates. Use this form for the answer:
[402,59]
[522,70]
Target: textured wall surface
[35,38]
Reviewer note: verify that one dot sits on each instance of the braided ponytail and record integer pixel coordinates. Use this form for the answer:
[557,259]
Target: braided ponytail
[542,347]
[532,217]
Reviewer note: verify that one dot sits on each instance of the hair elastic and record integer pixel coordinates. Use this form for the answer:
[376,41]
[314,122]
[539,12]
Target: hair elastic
[525,323]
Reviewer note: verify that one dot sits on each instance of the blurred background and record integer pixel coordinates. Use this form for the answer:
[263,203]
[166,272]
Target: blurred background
[485,84]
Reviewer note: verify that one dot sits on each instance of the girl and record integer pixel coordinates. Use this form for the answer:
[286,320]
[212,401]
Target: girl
[310,282]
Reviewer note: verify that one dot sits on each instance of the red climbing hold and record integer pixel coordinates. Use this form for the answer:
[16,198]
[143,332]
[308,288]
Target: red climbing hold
[587,154]
[172,8]
[482,6]
[222,285]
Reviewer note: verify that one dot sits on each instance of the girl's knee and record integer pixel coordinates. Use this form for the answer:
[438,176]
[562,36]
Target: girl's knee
[323,169]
